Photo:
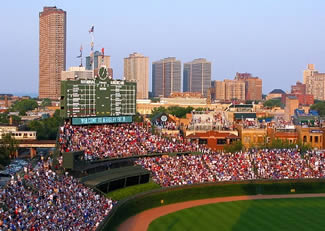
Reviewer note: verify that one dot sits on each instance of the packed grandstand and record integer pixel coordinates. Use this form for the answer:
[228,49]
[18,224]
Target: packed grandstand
[43,199]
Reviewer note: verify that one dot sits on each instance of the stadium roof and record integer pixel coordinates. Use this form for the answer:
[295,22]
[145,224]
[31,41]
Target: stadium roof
[277,91]
[241,106]
[113,174]
[243,115]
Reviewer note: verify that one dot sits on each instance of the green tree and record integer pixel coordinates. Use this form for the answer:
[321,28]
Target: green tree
[46,102]
[8,149]
[22,106]
[319,107]
[46,129]
[273,103]
[155,99]
[158,110]
[138,117]
[200,109]
[234,147]
[4,118]
[179,112]
[252,101]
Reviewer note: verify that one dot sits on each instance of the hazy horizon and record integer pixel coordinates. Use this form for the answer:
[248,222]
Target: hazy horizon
[274,40]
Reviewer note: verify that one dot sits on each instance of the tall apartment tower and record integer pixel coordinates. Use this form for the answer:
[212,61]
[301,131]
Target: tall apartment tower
[308,72]
[234,89]
[52,51]
[315,82]
[136,68]
[166,77]
[197,76]
[218,89]
[253,86]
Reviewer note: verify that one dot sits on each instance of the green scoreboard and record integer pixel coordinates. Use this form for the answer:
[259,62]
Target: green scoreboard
[98,97]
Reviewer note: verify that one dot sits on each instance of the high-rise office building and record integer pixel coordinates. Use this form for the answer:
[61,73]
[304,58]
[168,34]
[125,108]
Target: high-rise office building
[166,77]
[253,86]
[315,82]
[136,68]
[98,60]
[197,76]
[52,51]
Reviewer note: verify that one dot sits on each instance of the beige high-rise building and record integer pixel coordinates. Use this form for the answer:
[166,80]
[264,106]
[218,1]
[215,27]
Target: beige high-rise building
[136,68]
[166,77]
[308,72]
[197,76]
[228,90]
[234,89]
[315,82]
[52,51]
[218,90]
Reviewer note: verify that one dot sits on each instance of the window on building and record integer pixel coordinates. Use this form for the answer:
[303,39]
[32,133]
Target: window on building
[221,141]
[305,139]
[310,139]
[203,141]
[260,139]
[316,139]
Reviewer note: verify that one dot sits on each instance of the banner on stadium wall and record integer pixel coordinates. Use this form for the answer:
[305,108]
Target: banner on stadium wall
[102,120]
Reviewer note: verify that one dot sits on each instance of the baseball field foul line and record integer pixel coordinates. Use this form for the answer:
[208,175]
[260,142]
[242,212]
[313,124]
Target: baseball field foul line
[141,221]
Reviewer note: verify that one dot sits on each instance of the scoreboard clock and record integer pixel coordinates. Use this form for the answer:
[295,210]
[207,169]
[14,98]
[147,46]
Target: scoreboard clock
[102,73]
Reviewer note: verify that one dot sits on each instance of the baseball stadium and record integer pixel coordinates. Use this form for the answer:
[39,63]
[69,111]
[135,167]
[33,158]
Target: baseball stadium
[122,171]
[161,182]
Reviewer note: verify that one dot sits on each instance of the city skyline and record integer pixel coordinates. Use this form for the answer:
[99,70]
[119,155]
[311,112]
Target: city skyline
[263,38]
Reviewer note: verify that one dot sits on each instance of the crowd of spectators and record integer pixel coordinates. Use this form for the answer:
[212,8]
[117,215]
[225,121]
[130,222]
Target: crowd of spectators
[119,140]
[44,200]
[259,164]
[252,124]
[209,120]
[280,122]
[169,125]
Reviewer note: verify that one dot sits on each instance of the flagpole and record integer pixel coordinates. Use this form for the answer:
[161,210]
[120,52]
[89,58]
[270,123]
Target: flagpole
[91,32]
[81,55]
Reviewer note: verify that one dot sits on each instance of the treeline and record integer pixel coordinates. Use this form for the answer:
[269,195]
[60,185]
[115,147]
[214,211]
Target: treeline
[46,129]
[177,111]
[273,144]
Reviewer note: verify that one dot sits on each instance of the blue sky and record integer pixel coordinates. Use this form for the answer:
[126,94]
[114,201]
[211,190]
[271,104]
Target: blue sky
[272,39]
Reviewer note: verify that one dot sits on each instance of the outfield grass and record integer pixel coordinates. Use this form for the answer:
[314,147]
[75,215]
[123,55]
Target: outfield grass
[148,200]
[123,193]
[273,214]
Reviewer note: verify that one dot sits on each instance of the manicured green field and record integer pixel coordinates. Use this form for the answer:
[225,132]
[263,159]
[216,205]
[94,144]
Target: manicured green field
[261,215]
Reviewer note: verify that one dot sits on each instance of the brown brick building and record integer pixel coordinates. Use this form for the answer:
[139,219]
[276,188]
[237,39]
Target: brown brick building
[299,88]
[52,51]
[216,140]
[253,86]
